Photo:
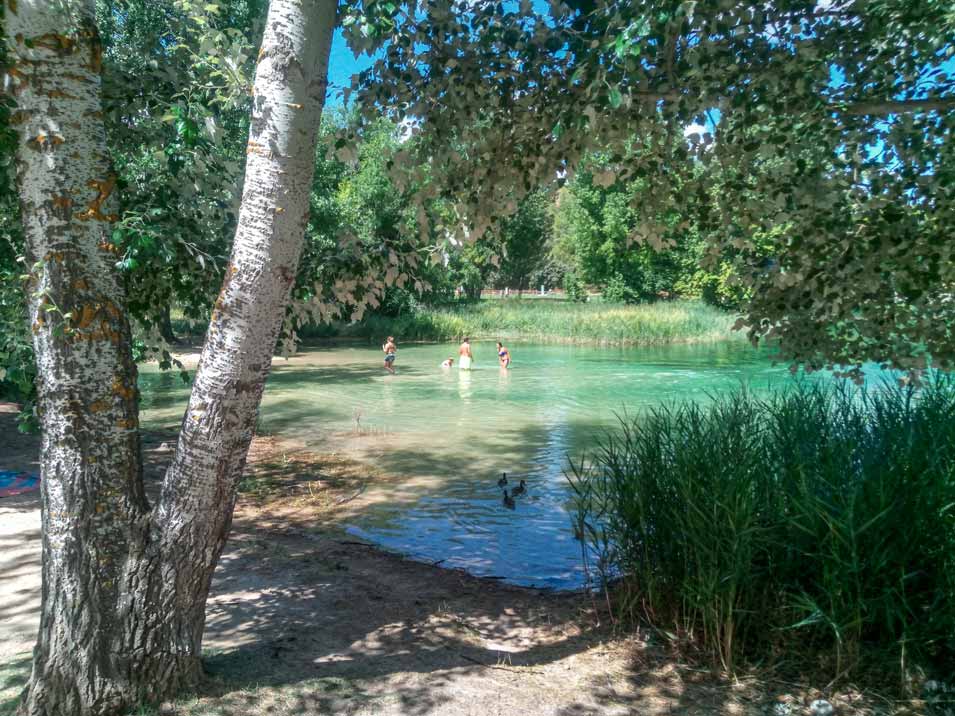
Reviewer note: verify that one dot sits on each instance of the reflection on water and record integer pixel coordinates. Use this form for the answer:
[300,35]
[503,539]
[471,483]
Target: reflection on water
[464,386]
[445,436]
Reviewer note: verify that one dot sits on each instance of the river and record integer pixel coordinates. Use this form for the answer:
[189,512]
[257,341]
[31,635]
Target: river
[444,437]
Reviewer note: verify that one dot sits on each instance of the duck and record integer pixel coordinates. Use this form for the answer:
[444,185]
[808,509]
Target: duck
[520,489]
[508,501]
[503,480]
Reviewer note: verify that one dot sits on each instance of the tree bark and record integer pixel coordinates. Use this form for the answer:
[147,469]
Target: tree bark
[92,497]
[124,586]
[165,326]
[198,495]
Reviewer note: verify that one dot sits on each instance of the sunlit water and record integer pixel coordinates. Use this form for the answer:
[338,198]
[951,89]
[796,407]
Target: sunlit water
[445,436]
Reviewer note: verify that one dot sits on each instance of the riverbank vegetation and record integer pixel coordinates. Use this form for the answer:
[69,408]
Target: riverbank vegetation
[818,521]
[548,321]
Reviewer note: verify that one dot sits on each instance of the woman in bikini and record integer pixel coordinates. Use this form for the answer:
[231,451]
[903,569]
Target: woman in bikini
[503,356]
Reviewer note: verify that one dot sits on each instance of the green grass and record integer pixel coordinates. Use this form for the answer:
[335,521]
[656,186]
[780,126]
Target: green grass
[818,522]
[553,321]
[13,678]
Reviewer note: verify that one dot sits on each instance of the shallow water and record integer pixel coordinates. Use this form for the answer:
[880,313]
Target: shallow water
[445,436]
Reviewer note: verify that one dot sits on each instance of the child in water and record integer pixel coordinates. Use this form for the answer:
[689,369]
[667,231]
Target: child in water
[448,362]
[390,349]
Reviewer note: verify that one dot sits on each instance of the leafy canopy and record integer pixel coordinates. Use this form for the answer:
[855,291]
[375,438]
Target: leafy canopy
[821,127]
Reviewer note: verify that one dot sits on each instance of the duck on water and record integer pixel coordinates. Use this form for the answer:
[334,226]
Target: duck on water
[508,499]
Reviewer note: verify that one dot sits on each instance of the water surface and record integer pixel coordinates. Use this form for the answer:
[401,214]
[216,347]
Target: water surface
[445,436]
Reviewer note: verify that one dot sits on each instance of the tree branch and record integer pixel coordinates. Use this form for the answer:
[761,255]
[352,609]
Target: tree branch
[900,106]
[655,95]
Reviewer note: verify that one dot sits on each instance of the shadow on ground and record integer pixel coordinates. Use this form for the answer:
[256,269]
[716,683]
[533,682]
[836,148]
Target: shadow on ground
[303,620]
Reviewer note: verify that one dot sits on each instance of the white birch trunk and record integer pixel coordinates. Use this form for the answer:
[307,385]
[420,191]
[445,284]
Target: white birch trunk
[124,587]
[195,510]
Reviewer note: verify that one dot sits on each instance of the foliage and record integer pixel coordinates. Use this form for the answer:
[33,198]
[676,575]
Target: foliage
[362,250]
[523,240]
[616,290]
[176,81]
[175,90]
[471,269]
[515,255]
[594,227]
[832,120]
[819,517]
[574,288]
[549,273]
[17,368]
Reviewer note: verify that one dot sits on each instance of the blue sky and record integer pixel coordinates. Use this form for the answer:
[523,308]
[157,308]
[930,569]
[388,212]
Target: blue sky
[341,66]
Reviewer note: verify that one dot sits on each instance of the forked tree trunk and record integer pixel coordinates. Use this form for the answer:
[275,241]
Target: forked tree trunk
[124,586]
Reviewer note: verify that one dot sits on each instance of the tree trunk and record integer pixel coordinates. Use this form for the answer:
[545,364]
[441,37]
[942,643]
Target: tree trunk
[198,496]
[165,326]
[124,587]
[93,502]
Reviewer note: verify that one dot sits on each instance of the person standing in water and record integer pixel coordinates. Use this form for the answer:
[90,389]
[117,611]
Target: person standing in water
[464,353]
[390,350]
[503,356]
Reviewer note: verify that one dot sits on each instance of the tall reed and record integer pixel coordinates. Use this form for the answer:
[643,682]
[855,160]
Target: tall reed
[821,517]
[556,321]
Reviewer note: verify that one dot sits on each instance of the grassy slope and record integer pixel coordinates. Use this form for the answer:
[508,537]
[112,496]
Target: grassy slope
[552,321]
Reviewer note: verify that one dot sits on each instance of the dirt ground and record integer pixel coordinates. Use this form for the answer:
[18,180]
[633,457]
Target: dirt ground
[304,620]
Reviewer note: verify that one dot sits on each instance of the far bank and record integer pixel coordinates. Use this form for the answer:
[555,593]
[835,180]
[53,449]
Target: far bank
[546,321]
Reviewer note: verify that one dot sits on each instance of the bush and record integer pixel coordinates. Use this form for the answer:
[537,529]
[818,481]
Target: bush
[616,290]
[820,518]
[398,301]
[549,274]
[574,287]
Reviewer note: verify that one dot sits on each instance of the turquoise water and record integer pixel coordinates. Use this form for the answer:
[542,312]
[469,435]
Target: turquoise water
[443,437]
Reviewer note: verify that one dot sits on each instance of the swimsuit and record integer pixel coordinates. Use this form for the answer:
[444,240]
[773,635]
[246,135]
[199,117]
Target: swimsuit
[389,358]
[464,362]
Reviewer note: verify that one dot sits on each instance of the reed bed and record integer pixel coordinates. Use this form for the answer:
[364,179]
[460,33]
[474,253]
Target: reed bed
[818,521]
[555,321]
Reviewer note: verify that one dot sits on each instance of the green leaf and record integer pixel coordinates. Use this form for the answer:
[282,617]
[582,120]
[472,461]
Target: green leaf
[620,45]
[616,98]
